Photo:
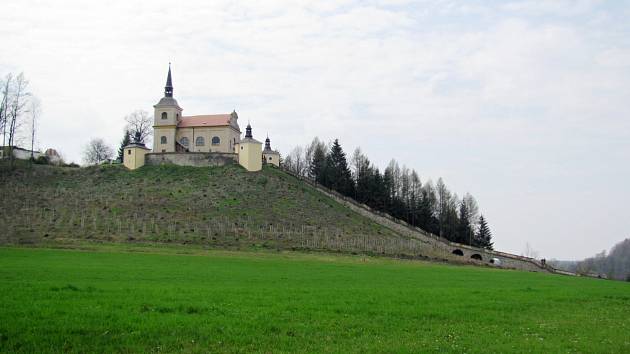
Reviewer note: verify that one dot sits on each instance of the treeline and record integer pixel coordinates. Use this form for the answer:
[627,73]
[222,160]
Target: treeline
[615,264]
[138,129]
[397,191]
[19,114]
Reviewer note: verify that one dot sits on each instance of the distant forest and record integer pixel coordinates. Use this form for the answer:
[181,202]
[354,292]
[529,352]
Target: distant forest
[397,191]
[615,265]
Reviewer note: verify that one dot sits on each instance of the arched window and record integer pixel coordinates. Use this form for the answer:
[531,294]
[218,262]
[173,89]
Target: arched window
[184,141]
[216,140]
[200,141]
[164,115]
[163,140]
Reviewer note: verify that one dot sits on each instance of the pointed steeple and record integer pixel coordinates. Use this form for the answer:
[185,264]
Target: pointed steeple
[248,131]
[168,89]
[267,144]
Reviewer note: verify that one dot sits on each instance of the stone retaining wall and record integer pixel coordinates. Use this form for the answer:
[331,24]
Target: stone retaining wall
[196,159]
[434,246]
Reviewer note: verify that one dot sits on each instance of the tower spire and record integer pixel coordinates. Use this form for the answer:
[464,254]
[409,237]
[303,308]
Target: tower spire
[168,89]
[248,131]
[267,143]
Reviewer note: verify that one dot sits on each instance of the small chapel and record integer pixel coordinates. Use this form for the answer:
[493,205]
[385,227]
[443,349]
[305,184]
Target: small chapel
[200,140]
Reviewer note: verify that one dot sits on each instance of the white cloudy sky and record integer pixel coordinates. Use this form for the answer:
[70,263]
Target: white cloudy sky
[524,104]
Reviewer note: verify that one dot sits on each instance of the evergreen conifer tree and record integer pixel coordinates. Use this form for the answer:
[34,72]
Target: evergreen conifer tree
[338,176]
[317,165]
[450,223]
[464,229]
[364,177]
[378,192]
[388,183]
[398,192]
[484,236]
[426,220]
[126,141]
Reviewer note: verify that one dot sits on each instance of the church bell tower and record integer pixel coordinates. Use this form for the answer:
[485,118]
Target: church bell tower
[166,117]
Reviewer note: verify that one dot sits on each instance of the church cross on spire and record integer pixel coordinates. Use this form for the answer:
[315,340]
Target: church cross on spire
[168,89]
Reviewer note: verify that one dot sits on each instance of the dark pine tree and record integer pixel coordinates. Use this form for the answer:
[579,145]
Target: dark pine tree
[464,230]
[425,218]
[396,192]
[125,141]
[398,209]
[388,188]
[317,165]
[483,238]
[450,223]
[338,176]
[364,181]
[378,191]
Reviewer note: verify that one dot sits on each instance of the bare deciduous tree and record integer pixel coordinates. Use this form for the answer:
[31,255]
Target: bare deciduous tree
[139,123]
[295,162]
[4,105]
[34,111]
[16,109]
[96,151]
[443,195]
[529,251]
[358,163]
[415,187]
[473,210]
[316,148]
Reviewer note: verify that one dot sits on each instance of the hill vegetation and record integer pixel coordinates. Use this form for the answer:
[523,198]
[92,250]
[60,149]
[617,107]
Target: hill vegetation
[397,191]
[125,298]
[221,206]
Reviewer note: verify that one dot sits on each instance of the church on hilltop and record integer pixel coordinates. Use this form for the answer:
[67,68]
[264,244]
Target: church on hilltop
[201,140]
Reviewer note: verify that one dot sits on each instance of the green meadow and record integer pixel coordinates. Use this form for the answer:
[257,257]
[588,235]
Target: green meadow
[124,298]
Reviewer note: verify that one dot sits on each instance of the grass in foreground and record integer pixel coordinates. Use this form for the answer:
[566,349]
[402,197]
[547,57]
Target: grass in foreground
[218,301]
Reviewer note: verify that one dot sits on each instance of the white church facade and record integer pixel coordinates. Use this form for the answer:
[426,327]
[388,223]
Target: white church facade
[200,140]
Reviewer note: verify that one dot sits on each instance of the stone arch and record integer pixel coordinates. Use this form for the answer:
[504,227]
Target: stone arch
[477,256]
[458,252]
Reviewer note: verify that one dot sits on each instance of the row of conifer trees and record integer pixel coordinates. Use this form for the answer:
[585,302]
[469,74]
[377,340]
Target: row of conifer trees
[396,191]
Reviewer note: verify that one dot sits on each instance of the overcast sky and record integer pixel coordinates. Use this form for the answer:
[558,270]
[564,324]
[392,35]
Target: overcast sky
[524,104]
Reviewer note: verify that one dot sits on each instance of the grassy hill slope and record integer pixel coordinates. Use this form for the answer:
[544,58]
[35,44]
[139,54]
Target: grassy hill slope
[117,298]
[222,206]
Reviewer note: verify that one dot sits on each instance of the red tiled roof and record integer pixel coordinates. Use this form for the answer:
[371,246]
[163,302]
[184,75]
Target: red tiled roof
[210,120]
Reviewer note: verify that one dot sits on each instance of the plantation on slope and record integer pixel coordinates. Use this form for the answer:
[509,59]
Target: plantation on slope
[224,206]
[117,298]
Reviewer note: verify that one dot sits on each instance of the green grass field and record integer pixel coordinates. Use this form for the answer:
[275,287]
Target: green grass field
[123,298]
